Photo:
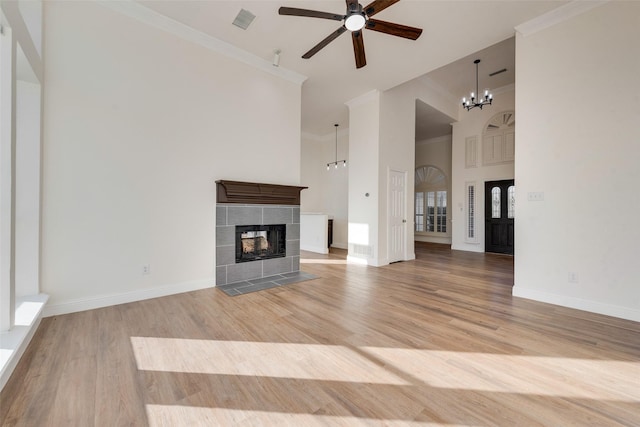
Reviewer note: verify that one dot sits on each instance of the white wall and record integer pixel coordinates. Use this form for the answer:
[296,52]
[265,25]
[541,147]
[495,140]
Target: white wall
[471,123]
[397,153]
[328,189]
[382,139]
[313,232]
[364,191]
[398,145]
[336,188]
[311,172]
[27,189]
[435,152]
[577,141]
[138,125]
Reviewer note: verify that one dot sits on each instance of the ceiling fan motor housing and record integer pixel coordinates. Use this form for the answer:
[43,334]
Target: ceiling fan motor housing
[355,18]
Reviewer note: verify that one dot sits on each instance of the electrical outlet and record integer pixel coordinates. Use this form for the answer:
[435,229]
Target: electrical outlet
[146,269]
[573,277]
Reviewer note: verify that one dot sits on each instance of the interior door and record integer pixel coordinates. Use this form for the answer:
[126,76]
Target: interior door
[397,216]
[499,216]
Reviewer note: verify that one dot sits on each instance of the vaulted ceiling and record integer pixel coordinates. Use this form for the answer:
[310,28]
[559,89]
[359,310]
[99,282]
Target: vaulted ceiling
[452,31]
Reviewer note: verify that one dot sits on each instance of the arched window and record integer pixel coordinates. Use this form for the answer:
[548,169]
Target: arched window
[430,200]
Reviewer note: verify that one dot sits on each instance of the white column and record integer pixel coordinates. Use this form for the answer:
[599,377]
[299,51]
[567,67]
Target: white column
[7,179]
[364,193]
[27,173]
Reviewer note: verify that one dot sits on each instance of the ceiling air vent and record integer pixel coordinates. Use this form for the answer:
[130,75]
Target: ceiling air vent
[244,19]
[497,72]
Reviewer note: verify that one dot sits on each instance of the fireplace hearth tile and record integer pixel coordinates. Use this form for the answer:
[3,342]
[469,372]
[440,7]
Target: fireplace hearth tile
[226,255]
[293,247]
[293,231]
[247,286]
[277,265]
[244,271]
[277,215]
[221,275]
[226,235]
[221,215]
[231,215]
[261,280]
[289,280]
[244,215]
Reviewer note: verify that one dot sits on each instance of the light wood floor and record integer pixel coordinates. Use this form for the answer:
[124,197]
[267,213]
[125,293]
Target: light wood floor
[435,341]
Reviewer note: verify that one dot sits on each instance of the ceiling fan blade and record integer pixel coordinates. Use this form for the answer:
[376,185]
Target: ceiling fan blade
[394,29]
[358,49]
[378,6]
[331,37]
[352,5]
[293,11]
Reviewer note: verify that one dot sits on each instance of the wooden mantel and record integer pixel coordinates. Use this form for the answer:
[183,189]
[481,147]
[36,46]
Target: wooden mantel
[257,193]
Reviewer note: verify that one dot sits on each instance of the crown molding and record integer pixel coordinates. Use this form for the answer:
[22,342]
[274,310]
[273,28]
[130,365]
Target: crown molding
[150,17]
[557,16]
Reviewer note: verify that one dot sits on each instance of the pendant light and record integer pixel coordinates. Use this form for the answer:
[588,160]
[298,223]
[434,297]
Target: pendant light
[335,164]
[480,101]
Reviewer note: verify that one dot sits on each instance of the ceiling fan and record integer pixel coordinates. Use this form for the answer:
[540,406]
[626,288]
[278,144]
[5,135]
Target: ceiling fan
[355,20]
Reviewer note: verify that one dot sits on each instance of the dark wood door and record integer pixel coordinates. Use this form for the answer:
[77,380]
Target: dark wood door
[499,203]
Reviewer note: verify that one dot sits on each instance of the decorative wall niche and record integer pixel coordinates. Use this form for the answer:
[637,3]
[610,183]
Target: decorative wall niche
[498,139]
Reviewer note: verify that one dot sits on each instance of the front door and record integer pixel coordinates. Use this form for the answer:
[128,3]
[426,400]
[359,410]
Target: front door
[499,204]
[397,217]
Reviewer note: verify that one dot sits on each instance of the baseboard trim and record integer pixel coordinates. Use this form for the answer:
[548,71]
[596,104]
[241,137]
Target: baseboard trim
[340,245]
[374,262]
[28,315]
[577,303]
[125,297]
[316,249]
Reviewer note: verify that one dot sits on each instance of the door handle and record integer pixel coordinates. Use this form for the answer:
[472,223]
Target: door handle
[404,220]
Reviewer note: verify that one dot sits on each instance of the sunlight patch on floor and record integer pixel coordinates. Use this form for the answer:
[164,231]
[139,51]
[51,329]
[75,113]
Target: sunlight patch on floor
[174,415]
[263,359]
[535,375]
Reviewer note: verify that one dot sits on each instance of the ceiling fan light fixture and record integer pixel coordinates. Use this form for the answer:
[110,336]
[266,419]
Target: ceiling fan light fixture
[355,21]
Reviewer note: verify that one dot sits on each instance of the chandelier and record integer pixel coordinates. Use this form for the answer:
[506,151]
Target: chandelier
[481,101]
[335,164]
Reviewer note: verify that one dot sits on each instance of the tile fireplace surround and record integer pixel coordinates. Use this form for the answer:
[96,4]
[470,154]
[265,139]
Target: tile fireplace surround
[246,203]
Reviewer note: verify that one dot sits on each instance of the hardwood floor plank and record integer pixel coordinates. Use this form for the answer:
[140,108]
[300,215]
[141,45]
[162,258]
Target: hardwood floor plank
[434,341]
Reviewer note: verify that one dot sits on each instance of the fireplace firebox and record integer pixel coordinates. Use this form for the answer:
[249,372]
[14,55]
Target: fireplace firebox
[256,242]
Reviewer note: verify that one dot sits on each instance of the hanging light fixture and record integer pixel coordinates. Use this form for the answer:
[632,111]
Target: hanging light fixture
[355,19]
[486,99]
[335,164]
